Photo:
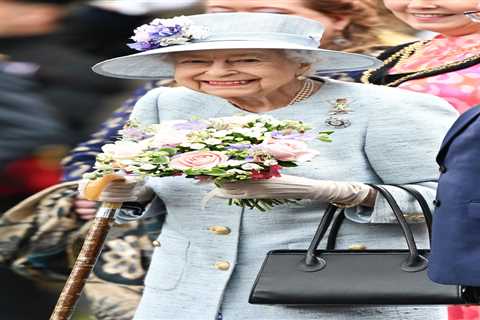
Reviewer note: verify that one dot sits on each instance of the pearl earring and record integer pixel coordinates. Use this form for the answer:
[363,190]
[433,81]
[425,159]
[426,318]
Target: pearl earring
[341,41]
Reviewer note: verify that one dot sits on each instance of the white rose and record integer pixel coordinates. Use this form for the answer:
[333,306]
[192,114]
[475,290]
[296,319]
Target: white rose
[123,150]
[167,136]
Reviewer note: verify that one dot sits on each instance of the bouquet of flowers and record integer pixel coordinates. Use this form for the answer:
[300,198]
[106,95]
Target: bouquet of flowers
[227,149]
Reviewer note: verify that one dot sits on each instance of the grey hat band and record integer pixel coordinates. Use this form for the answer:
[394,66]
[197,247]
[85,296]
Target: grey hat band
[302,40]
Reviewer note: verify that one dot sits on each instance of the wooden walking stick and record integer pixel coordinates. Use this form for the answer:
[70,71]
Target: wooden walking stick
[91,248]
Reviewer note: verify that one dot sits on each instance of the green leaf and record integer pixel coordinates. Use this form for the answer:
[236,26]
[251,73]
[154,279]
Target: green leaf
[324,138]
[160,160]
[215,172]
[327,132]
[170,151]
[194,172]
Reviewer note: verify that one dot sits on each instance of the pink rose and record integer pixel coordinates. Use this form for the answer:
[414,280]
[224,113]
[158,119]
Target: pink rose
[198,160]
[288,150]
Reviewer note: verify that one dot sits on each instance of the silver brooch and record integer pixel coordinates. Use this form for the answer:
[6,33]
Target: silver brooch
[337,118]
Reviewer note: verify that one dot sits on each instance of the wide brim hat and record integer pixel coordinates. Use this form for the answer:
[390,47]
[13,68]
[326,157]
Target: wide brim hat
[220,31]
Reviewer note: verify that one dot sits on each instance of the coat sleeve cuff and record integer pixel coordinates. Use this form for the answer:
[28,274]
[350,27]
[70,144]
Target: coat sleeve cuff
[382,213]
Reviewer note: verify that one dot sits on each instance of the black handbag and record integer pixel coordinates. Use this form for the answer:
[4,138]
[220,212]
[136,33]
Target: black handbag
[346,277]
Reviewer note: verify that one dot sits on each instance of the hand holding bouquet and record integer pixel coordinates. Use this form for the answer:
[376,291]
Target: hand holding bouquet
[228,149]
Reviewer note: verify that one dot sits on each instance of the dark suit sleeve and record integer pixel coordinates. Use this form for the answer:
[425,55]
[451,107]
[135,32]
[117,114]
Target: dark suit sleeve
[27,121]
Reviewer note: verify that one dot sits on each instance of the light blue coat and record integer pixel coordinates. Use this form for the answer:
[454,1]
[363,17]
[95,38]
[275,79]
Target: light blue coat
[393,138]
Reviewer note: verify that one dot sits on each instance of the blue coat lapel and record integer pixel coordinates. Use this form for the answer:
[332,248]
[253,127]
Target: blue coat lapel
[463,121]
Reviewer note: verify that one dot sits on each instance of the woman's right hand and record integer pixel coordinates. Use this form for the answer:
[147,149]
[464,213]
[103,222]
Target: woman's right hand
[85,209]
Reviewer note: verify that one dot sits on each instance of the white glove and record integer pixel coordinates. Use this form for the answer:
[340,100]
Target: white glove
[292,187]
[130,190]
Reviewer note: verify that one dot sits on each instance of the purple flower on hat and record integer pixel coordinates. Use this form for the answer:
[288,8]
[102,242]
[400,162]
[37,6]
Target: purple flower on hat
[165,32]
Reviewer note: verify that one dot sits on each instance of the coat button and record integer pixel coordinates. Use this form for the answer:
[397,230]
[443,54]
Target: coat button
[357,247]
[436,203]
[222,265]
[156,243]
[219,230]
[442,169]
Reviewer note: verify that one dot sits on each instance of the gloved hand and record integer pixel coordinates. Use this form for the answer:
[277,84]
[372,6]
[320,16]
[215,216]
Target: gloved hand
[85,209]
[131,189]
[292,187]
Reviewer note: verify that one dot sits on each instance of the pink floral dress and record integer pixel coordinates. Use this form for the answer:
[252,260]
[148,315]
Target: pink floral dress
[460,88]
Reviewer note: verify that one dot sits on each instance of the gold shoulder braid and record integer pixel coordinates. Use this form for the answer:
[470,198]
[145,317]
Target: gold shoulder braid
[401,55]
[404,54]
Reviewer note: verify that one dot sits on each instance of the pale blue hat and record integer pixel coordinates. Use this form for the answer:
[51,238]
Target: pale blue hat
[226,31]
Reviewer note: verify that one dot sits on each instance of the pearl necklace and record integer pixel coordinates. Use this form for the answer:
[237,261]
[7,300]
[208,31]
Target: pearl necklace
[305,92]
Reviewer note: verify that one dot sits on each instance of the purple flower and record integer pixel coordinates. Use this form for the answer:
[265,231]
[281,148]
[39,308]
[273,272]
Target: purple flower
[165,32]
[239,146]
[149,37]
[293,136]
[191,125]
[134,134]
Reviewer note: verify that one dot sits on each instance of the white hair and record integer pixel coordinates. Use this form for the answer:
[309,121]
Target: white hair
[304,56]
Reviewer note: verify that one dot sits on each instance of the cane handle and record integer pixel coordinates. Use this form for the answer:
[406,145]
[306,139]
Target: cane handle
[94,188]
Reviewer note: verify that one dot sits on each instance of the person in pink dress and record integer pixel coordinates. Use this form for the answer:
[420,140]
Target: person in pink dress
[448,65]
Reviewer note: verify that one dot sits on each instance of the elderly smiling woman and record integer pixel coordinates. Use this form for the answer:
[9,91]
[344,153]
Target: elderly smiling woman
[207,260]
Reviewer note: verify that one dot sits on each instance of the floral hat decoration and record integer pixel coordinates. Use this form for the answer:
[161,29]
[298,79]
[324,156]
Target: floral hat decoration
[216,31]
[166,32]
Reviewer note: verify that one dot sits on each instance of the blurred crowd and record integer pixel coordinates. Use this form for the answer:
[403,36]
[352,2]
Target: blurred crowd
[55,114]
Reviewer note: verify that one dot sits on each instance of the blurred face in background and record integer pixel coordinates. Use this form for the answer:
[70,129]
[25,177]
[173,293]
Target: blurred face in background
[25,19]
[332,24]
[442,16]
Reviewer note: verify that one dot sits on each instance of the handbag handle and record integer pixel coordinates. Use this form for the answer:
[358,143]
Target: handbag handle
[427,213]
[415,262]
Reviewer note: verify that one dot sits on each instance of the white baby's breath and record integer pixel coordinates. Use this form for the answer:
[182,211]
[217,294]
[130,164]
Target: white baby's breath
[220,133]
[235,163]
[236,171]
[251,166]
[147,166]
[270,162]
[212,141]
